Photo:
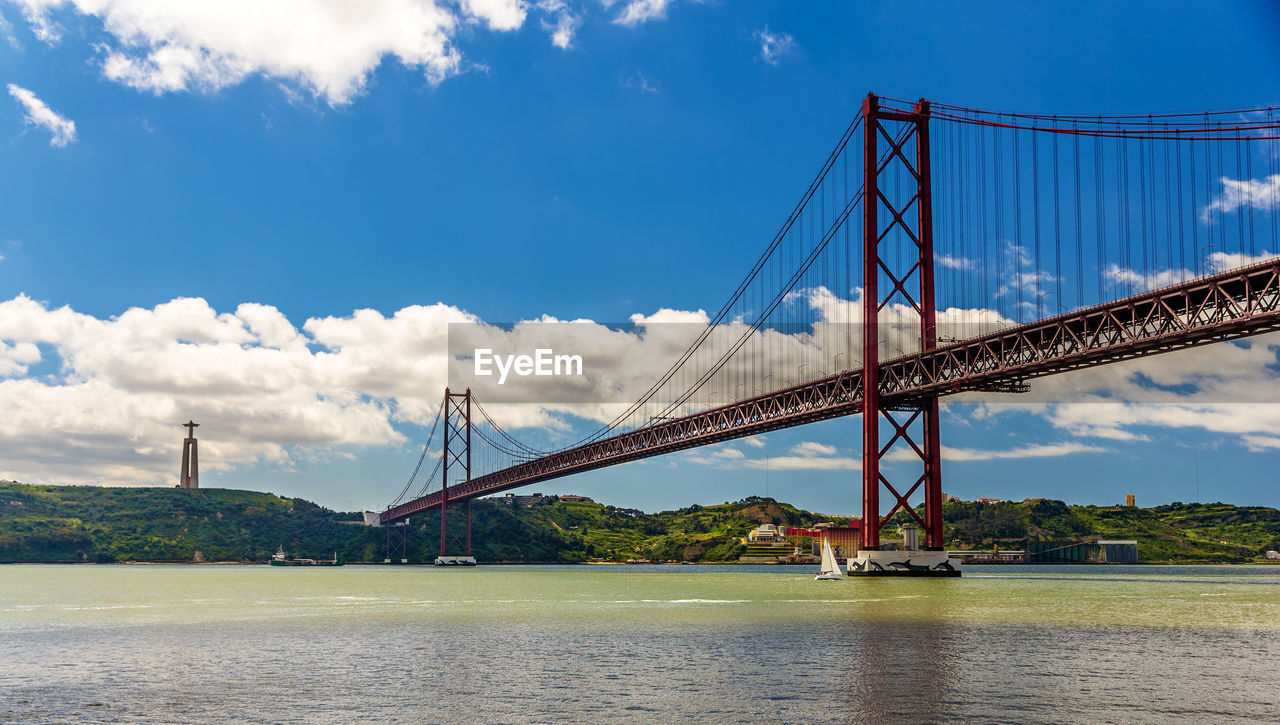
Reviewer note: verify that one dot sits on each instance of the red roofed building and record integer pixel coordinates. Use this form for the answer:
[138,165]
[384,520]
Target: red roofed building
[845,540]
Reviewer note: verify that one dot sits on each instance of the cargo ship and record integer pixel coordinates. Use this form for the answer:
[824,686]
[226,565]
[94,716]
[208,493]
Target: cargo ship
[279,559]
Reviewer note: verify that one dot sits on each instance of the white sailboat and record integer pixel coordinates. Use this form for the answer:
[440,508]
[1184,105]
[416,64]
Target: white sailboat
[830,570]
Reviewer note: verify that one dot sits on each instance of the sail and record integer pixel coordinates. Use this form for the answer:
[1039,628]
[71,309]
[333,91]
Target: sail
[829,565]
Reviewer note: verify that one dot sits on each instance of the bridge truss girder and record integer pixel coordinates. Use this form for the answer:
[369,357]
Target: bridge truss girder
[1225,306]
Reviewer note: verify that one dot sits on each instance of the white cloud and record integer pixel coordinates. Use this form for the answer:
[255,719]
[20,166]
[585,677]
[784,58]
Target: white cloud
[123,384]
[903,452]
[1023,279]
[1142,281]
[637,81]
[1216,262]
[813,448]
[1223,261]
[497,14]
[773,46]
[61,129]
[6,31]
[327,47]
[1032,451]
[951,262]
[635,12]
[42,26]
[110,391]
[728,453]
[563,24]
[1237,193]
[806,463]
[1258,443]
[755,441]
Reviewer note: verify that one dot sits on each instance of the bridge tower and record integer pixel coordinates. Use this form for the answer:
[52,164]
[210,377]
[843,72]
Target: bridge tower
[898,270]
[457,455]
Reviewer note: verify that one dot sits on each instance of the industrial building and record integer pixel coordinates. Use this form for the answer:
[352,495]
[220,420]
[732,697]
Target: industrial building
[1082,552]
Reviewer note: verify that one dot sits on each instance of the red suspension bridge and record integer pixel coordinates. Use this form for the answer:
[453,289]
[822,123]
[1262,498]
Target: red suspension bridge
[940,250]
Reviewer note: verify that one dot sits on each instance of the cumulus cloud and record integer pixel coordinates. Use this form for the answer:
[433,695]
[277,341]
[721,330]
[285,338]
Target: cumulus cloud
[112,390]
[329,48]
[123,384]
[62,130]
[1227,389]
[773,46]
[1237,193]
[90,398]
[1215,262]
[496,14]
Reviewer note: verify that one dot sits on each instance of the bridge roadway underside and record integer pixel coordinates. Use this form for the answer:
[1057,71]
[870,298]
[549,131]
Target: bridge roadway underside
[1224,306]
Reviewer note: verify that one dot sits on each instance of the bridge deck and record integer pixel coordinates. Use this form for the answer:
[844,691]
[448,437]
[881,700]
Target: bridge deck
[1218,307]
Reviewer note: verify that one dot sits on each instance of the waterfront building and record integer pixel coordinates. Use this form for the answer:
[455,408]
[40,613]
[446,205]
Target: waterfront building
[763,533]
[845,540]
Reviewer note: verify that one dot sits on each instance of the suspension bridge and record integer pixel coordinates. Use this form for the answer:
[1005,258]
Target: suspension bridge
[939,250]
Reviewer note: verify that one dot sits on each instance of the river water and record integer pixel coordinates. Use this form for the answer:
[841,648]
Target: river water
[652,644]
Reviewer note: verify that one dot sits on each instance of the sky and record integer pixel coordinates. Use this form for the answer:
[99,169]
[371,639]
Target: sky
[264,217]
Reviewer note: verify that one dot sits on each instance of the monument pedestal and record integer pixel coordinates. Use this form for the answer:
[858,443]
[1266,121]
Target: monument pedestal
[903,563]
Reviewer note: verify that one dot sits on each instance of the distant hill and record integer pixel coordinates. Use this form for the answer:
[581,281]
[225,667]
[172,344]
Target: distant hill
[1212,532]
[84,523]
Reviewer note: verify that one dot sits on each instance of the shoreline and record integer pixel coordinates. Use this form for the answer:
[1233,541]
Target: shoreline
[170,562]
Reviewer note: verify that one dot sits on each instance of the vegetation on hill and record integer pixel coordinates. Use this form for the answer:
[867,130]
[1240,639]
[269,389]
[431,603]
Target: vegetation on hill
[93,524]
[1215,532]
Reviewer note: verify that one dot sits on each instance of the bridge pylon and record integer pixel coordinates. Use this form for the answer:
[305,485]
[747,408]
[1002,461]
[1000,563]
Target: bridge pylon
[898,270]
[456,455]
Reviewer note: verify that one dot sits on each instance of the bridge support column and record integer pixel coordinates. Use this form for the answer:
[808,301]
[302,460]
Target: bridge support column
[898,275]
[457,454]
[397,542]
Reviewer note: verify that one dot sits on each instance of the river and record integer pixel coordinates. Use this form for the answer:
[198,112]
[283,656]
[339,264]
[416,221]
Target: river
[210,643]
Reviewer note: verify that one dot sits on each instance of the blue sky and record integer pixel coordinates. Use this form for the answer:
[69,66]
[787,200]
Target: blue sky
[478,166]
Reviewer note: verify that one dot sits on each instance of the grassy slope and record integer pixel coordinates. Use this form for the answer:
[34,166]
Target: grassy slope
[1215,532]
[73,523]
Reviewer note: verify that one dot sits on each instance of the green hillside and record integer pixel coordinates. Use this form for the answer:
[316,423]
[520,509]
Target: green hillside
[93,524]
[1214,532]
[84,523]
